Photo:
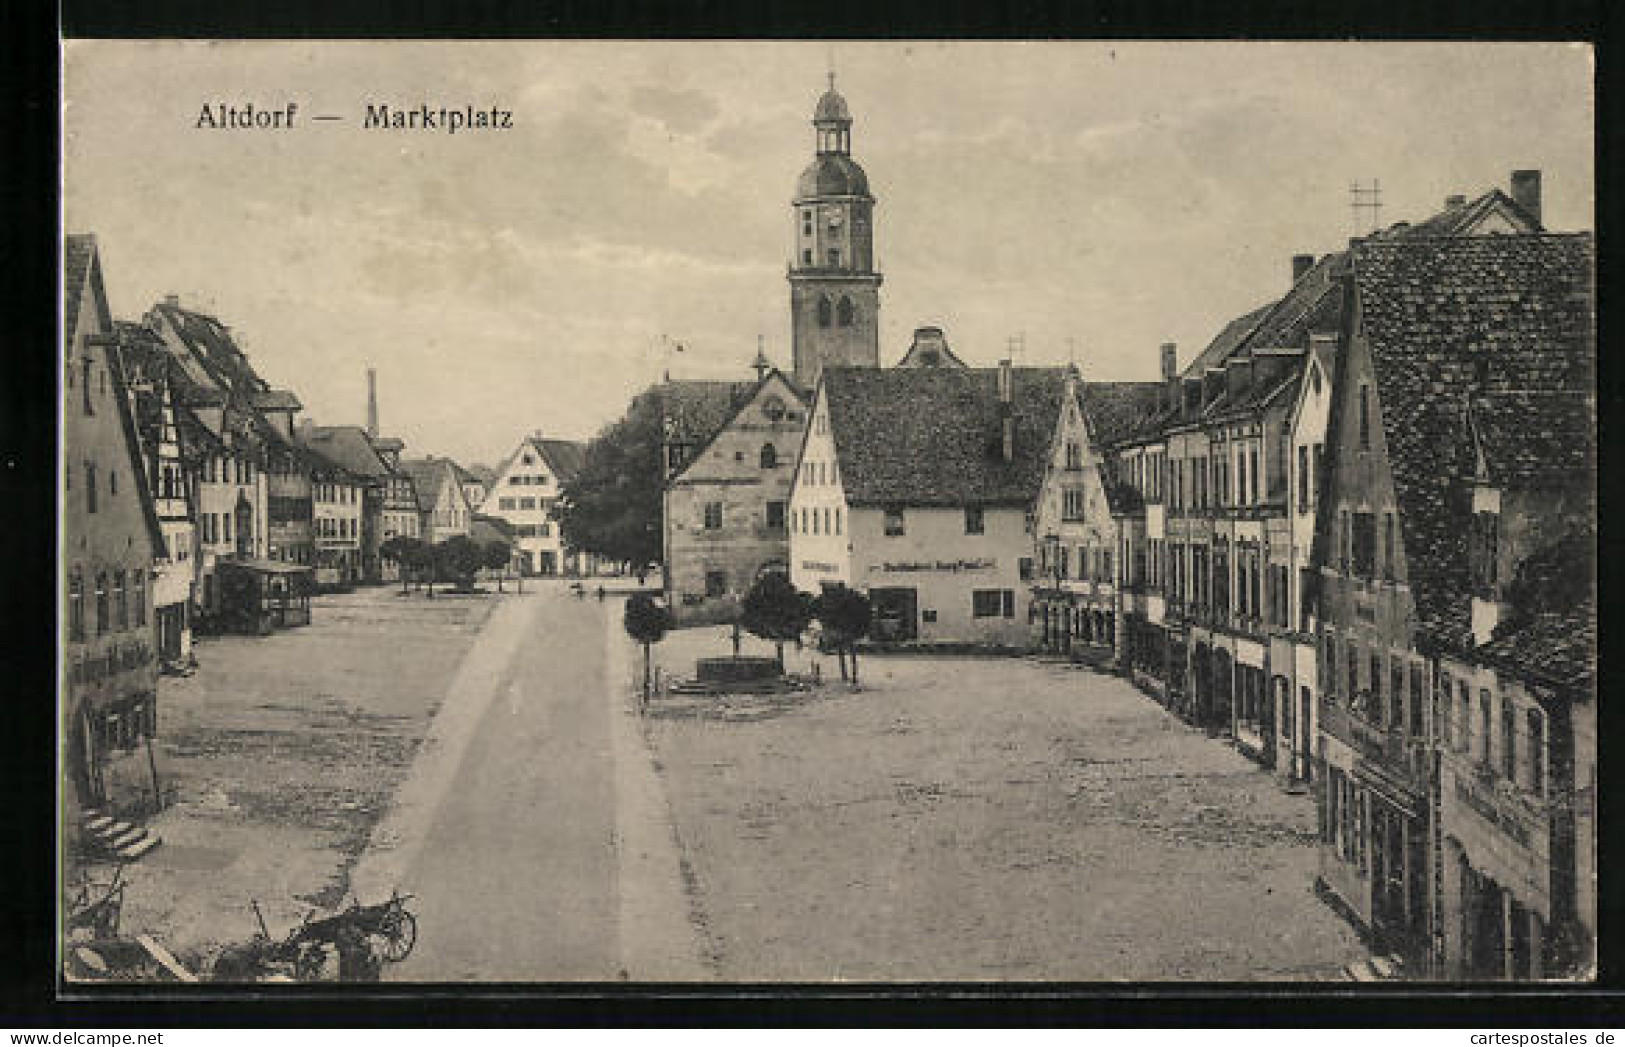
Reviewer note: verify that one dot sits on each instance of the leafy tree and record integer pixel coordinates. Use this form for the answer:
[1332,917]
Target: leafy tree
[612,506]
[497,555]
[646,622]
[776,610]
[846,615]
[460,558]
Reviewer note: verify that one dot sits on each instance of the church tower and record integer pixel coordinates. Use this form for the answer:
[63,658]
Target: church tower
[834,288]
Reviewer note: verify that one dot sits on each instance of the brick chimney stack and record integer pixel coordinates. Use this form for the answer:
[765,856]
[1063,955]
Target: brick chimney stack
[372,403]
[1301,264]
[1170,360]
[172,300]
[1526,192]
[1455,200]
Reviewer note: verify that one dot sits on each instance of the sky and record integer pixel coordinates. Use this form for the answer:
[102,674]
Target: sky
[1094,198]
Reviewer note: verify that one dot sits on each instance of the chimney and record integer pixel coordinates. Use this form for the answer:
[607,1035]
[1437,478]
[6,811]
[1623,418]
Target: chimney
[1170,360]
[372,403]
[1455,200]
[1301,264]
[1007,414]
[1526,191]
[172,300]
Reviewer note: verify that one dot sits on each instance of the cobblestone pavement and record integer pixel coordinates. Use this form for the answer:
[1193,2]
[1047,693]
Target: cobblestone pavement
[280,755]
[983,819]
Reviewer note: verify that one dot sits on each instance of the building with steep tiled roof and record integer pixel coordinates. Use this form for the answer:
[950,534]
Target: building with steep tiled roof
[1089,516]
[524,493]
[724,503]
[111,536]
[915,485]
[443,508]
[1461,446]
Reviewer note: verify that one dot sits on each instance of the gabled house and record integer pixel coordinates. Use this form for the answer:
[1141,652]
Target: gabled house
[525,493]
[353,492]
[111,536]
[1460,474]
[146,367]
[916,485]
[443,508]
[1089,534]
[399,515]
[730,451]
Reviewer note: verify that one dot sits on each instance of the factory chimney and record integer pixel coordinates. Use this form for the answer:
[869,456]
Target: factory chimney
[372,403]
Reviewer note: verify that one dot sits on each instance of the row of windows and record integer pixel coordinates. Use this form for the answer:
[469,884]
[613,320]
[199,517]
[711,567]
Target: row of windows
[842,313]
[343,494]
[1093,563]
[1357,545]
[92,489]
[818,521]
[1473,733]
[216,528]
[816,474]
[520,503]
[526,480]
[541,530]
[342,528]
[1370,691]
[120,601]
[993,603]
[220,469]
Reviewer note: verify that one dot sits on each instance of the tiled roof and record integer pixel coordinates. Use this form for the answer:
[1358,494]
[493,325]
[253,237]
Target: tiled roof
[1495,320]
[1455,221]
[275,400]
[1558,648]
[488,529]
[1536,437]
[214,350]
[1227,341]
[695,410]
[1117,411]
[346,446]
[78,255]
[565,456]
[933,436]
[426,475]
[1313,304]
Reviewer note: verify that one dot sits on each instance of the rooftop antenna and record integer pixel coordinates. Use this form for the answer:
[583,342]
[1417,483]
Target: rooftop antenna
[832,67]
[1369,199]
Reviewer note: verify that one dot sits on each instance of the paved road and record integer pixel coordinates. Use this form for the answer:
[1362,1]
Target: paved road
[529,830]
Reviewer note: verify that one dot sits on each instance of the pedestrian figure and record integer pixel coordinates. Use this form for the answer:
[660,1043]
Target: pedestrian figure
[600,594]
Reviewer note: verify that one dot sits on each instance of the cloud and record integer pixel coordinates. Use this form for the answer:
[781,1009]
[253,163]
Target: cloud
[684,111]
